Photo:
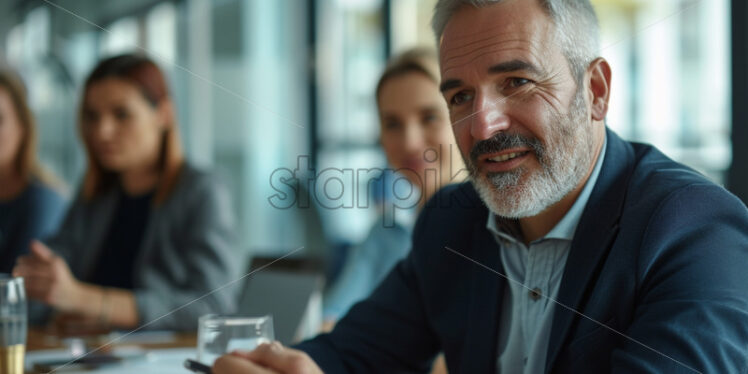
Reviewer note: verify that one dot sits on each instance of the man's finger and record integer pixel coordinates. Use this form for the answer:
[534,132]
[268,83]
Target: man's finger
[41,251]
[284,360]
[30,274]
[241,354]
[230,364]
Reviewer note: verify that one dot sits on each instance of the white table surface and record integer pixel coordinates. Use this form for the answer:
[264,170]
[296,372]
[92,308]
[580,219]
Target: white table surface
[155,361]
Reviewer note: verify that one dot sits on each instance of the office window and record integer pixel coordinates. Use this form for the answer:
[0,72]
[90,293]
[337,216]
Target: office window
[122,36]
[161,29]
[671,77]
[350,56]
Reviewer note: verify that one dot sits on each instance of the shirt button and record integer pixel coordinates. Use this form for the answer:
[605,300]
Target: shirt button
[535,294]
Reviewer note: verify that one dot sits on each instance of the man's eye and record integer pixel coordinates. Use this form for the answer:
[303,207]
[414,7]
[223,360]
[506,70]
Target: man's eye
[460,98]
[518,82]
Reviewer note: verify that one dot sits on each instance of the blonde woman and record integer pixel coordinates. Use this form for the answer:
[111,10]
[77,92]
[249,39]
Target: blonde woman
[31,202]
[417,139]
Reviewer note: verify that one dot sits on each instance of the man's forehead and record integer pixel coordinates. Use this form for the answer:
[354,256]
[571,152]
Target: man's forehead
[518,29]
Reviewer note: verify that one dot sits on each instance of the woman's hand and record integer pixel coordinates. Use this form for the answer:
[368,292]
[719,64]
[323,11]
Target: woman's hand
[76,324]
[48,278]
[270,358]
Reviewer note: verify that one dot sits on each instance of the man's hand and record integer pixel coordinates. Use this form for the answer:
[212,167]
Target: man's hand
[266,359]
[48,278]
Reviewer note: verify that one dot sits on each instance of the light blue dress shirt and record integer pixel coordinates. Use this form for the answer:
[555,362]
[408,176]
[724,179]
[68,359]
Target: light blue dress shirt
[388,241]
[534,275]
[368,263]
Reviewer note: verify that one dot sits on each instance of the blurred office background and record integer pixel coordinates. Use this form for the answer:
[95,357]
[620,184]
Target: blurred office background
[259,83]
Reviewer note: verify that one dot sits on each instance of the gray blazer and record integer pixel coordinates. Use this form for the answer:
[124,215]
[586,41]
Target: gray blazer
[188,250]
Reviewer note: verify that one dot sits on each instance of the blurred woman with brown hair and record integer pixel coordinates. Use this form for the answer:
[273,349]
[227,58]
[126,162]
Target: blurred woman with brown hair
[31,202]
[149,237]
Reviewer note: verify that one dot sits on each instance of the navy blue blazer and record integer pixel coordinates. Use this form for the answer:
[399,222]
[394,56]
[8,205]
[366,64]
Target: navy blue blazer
[660,256]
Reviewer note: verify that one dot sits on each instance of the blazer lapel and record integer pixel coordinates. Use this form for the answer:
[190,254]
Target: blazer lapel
[594,236]
[486,290]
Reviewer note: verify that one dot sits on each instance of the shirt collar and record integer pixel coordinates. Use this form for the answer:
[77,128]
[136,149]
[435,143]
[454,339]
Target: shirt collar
[564,229]
[405,218]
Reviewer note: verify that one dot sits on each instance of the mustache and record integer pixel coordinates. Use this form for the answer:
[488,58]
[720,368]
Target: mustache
[503,141]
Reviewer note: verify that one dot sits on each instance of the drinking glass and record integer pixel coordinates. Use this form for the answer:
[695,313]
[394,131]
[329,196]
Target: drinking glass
[12,324]
[219,334]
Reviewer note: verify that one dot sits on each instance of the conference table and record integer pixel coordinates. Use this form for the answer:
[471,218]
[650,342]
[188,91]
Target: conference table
[150,352]
[144,352]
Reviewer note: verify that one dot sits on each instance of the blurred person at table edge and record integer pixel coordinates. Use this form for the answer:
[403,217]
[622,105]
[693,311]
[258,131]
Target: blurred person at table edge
[148,234]
[571,250]
[31,198]
[417,139]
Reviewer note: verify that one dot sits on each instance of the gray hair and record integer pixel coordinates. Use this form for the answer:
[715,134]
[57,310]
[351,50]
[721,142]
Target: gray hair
[575,21]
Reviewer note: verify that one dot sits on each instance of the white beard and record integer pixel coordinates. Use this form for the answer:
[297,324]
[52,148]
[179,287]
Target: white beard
[565,160]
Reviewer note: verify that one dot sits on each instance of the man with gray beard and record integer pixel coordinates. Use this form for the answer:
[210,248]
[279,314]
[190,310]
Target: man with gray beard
[571,250]
[564,161]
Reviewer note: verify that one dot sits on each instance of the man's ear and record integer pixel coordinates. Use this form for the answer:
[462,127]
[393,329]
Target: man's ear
[599,91]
